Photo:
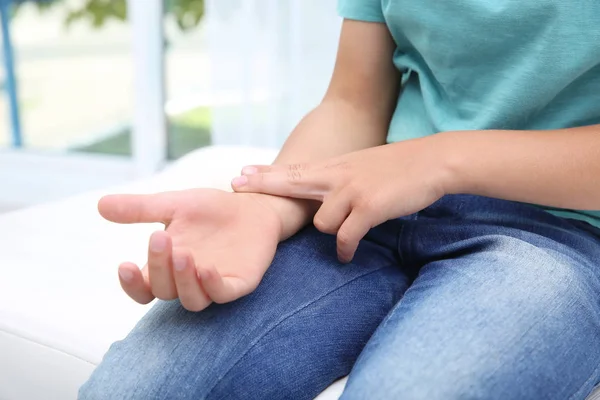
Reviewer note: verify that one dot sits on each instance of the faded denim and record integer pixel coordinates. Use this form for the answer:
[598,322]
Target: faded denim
[472,298]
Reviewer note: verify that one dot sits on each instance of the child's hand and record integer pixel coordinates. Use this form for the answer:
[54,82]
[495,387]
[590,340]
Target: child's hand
[216,246]
[359,190]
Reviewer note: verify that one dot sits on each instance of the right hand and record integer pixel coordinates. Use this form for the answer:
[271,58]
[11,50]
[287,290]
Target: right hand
[216,245]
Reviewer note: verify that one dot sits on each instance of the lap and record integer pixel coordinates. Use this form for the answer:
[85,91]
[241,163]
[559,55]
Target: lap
[505,304]
[498,310]
[299,331]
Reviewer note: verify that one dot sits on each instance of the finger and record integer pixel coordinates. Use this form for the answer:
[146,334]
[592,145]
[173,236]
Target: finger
[294,180]
[255,169]
[262,169]
[133,283]
[222,289]
[332,213]
[191,294]
[354,228]
[160,271]
[134,208]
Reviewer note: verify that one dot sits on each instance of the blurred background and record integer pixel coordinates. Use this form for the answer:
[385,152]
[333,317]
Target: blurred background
[94,93]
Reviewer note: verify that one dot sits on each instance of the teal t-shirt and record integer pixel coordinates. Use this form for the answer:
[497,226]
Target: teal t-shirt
[491,64]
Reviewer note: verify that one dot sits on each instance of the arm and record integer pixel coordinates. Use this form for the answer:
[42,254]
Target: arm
[187,260]
[360,190]
[556,168]
[353,115]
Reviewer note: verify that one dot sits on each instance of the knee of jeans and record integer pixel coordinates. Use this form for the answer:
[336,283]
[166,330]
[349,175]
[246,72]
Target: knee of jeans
[144,373]
[543,272]
[117,377]
[298,356]
[531,274]
[379,385]
[309,350]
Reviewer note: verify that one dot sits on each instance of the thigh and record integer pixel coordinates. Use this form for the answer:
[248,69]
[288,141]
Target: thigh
[503,314]
[300,330]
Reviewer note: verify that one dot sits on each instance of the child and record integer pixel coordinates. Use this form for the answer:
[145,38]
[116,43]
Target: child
[459,143]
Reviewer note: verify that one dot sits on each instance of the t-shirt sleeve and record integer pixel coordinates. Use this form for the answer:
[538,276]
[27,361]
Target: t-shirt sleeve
[361,10]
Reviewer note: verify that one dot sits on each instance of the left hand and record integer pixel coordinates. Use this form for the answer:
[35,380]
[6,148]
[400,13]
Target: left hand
[358,190]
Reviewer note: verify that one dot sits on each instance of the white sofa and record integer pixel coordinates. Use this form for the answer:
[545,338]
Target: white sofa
[60,301]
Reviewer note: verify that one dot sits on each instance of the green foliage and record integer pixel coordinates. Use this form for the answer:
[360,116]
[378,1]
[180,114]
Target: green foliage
[187,13]
[97,12]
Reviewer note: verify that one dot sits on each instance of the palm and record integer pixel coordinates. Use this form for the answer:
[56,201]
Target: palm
[216,245]
[237,235]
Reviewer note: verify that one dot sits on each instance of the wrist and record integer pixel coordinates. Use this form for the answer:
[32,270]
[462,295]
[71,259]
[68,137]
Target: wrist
[293,214]
[449,157]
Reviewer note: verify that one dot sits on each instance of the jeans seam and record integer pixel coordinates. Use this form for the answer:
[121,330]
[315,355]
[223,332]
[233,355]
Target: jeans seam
[409,247]
[285,318]
[398,241]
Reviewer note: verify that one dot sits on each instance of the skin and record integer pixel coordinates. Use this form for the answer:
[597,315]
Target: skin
[215,245]
[336,169]
[224,242]
[366,188]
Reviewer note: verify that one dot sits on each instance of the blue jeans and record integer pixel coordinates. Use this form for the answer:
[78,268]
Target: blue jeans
[472,298]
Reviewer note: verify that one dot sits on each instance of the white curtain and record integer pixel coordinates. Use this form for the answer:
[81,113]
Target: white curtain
[271,61]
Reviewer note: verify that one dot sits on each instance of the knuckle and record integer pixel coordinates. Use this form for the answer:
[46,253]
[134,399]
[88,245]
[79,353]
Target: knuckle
[295,172]
[323,225]
[257,180]
[367,203]
[355,190]
[344,238]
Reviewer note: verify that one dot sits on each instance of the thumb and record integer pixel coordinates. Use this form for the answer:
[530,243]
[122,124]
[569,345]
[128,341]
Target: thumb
[137,208]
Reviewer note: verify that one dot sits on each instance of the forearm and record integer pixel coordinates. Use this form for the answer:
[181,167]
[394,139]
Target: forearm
[333,128]
[354,114]
[559,168]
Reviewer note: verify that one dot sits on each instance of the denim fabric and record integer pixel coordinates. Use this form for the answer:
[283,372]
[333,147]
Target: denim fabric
[472,298]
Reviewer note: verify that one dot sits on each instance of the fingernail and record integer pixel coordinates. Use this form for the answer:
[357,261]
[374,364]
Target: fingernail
[125,274]
[239,181]
[158,244]
[179,264]
[249,170]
